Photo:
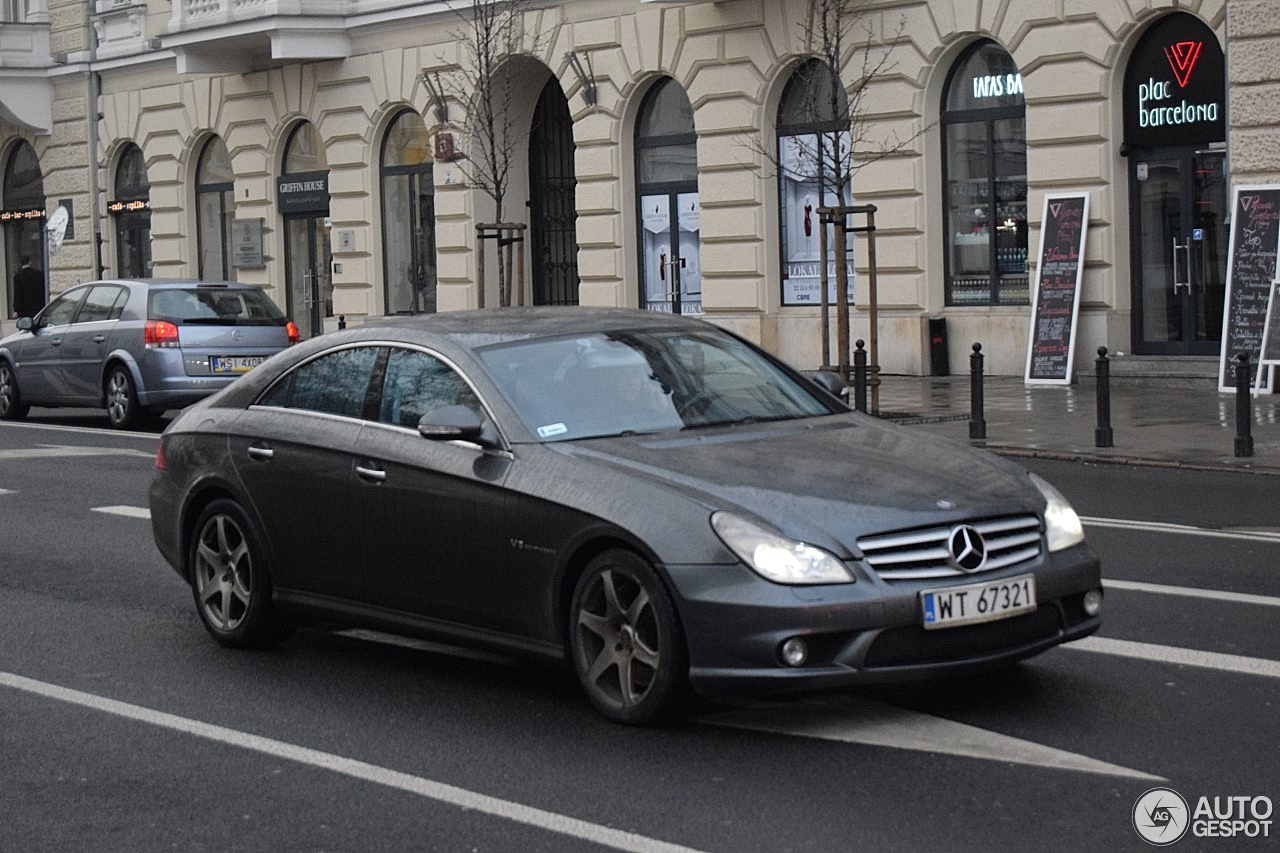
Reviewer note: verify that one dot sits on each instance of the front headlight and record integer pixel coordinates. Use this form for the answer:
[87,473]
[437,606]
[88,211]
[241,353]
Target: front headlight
[1062,525]
[775,557]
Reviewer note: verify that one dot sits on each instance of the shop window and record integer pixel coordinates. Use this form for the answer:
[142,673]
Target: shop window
[23,217]
[408,217]
[215,208]
[814,169]
[985,173]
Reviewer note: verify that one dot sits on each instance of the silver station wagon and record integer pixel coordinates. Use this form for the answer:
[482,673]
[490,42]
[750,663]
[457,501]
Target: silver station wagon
[138,347]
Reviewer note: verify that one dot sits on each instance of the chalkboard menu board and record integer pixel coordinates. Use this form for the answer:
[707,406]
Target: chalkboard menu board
[1056,301]
[1270,356]
[1255,232]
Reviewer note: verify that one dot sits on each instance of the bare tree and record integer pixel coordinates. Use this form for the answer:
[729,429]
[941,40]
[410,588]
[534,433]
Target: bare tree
[494,34]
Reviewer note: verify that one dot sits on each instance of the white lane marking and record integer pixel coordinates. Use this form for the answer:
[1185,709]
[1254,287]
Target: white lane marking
[1172,654]
[54,451]
[7,492]
[1184,529]
[876,724]
[128,511]
[87,430]
[1194,592]
[439,791]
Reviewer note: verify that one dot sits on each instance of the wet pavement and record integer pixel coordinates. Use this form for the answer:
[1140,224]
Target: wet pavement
[1190,426]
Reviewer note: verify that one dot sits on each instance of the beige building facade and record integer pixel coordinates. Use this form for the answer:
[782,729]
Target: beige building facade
[328,150]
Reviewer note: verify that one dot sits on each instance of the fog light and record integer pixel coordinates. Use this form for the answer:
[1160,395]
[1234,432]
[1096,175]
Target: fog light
[795,652]
[1093,602]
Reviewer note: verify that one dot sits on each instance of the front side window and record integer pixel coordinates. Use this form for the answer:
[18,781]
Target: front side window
[985,167]
[814,170]
[416,383]
[60,311]
[335,383]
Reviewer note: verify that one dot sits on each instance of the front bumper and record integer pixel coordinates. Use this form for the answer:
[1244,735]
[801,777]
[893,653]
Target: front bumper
[865,632]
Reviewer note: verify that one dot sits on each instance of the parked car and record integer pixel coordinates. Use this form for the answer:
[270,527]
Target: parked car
[647,496]
[138,346]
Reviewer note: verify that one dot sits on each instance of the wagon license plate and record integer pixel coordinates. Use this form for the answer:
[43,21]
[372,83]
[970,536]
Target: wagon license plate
[235,363]
[978,602]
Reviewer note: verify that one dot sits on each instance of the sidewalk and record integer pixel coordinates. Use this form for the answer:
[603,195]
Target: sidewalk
[1191,427]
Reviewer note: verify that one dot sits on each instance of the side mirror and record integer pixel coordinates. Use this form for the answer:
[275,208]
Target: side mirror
[451,423]
[832,383]
[24,324]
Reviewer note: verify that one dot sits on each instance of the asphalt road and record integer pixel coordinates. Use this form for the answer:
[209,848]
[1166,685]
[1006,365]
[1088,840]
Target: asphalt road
[124,727]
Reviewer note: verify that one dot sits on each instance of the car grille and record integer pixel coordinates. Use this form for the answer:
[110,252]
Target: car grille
[922,554]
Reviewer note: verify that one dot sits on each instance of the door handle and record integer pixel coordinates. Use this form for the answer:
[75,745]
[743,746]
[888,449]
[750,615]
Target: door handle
[256,452]
[1185,248]
[97,339]
[56,342]
[374,475]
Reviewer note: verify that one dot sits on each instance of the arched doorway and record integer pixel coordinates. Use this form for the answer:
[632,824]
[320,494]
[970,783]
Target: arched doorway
[553,210]
[131,212]
[670,210]
[303,200]
[1174,142]
[408,217]
[23,217]
[215,208]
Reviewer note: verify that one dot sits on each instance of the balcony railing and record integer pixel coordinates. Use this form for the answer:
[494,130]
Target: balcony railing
[197,14]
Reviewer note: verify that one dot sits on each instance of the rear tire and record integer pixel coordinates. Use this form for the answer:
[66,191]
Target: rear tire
[11,406]
[123,409]
[625,641]
[227,567]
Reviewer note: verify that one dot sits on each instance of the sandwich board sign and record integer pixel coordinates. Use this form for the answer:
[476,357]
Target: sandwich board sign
[1251,268]
[1055,304]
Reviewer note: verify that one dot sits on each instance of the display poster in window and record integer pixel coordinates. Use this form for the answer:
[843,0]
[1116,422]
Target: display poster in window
[801,196]
[655,226]
[246,244]
[1270,356]
[1055,303]
[1251,268]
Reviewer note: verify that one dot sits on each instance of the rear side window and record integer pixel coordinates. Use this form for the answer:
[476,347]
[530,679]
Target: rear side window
[214,306]
[335,383]
[104,302]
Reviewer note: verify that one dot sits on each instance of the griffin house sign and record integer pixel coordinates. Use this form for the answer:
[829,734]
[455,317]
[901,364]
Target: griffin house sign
[1175,89]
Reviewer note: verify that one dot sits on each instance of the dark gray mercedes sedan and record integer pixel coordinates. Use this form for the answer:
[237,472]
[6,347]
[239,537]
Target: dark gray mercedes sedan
[650,498]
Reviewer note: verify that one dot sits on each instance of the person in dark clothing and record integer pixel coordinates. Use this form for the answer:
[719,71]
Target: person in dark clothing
[28,289]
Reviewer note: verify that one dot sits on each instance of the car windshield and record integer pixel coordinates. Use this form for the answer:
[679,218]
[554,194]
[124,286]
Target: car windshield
[214,306]
[621,383]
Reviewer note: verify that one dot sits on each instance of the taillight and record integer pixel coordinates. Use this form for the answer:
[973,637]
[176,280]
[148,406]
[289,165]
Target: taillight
[160,463]
[292,331]
[160,333]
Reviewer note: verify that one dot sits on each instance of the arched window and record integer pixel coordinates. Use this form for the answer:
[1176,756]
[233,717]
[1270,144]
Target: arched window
[814,170]
[670,212]
[984,151]
[215,208]
[24,205]
[131,210]
[408,217]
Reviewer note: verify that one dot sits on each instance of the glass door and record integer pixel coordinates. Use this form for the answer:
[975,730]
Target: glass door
[669,255]
[308,259]
[1180,237]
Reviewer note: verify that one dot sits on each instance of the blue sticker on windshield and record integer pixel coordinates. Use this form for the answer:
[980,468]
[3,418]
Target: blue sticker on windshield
[552,429]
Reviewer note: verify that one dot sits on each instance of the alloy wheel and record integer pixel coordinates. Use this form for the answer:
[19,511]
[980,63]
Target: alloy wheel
[223,573]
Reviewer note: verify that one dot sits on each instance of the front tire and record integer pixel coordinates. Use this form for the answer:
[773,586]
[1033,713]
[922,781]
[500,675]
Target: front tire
[123,409]
[228,570]
[625,640]
[11,406]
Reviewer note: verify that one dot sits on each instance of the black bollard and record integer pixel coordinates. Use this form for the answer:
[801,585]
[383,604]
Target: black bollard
[860,377]
[1102,436]
[977,423]
[1244,407]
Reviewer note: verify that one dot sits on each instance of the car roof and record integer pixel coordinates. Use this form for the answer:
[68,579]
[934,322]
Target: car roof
[167,283]
[485,326]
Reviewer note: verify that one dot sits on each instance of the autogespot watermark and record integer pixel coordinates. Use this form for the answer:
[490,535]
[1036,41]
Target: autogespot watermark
[1162,817]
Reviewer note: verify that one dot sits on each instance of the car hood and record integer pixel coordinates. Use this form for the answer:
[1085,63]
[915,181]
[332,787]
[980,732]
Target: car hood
[823,480]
